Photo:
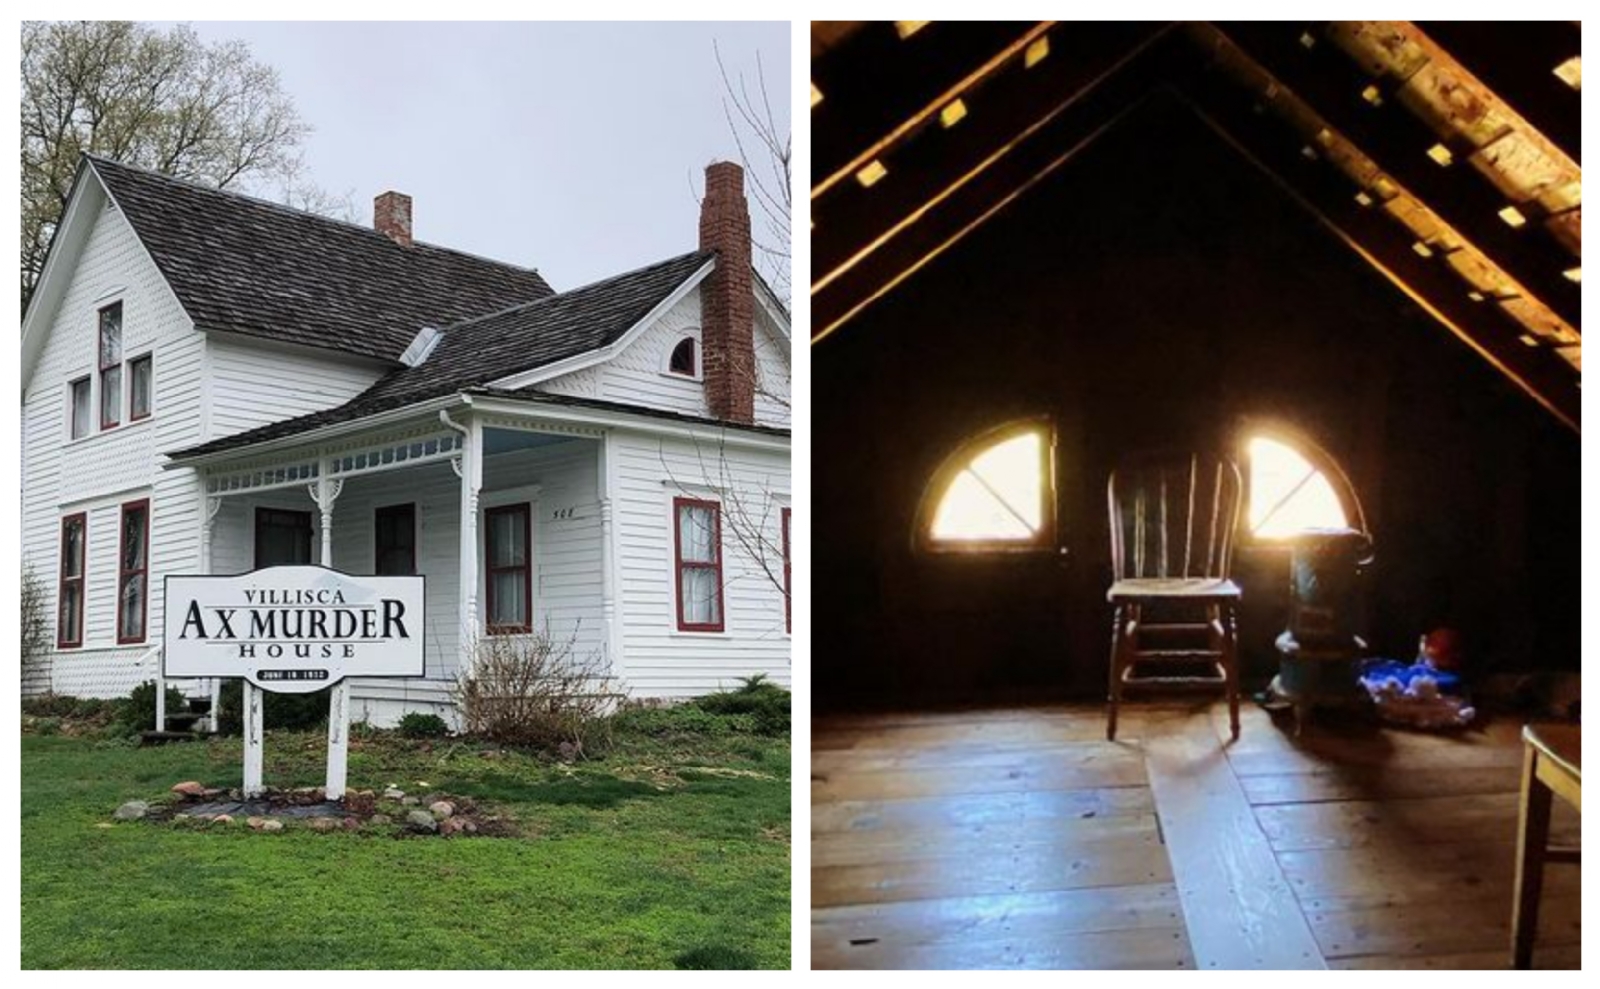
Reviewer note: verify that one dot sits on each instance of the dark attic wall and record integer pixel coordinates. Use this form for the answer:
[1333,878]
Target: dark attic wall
[1154,292]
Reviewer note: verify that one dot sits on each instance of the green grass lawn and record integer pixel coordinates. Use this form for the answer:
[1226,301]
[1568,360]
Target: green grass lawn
[657,856]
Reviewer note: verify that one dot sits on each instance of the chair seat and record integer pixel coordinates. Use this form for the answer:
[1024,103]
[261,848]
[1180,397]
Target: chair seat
[1560,743]
[1174,588]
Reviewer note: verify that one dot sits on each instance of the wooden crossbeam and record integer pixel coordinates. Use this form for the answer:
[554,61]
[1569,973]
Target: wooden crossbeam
[874,80]
[1519,66]
[1273,147]
[1398,142]
[849,220]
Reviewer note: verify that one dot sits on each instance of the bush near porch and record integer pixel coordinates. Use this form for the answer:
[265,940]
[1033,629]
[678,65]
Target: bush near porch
[672,850]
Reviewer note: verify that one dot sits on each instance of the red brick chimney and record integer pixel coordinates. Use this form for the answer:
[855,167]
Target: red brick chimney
[391,216]
[727,302]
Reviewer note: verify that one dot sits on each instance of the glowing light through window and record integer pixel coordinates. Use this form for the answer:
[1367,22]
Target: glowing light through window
[1287,494]
[997,496]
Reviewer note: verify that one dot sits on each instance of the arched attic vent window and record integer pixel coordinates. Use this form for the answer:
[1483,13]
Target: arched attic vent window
[685,358]
[994,493]
[1293,487]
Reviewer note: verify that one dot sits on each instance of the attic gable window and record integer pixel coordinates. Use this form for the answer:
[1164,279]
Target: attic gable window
[111,365]
[685,359]
[993,493]
[1293,488]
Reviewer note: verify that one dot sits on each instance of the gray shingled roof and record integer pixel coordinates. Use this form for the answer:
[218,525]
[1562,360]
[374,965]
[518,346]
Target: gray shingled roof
[523,338]
[247,266]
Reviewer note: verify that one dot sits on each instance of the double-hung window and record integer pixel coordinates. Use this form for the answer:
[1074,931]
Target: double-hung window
[140,381]
[111,365]
[133,572]
[508,569]
[69,596]
[698,526]
[80,408]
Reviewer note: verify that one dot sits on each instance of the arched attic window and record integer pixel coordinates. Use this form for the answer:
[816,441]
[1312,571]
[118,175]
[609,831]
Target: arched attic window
[994,493]
[1293,487]
[684,359]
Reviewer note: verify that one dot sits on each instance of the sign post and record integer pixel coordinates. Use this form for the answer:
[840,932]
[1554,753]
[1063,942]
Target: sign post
[294,630]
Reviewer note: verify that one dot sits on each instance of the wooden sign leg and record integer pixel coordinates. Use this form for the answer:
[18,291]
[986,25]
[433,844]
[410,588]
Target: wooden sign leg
[338,738]
[254,739]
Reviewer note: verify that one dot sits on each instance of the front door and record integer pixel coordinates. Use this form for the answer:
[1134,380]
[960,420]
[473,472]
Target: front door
[283,537]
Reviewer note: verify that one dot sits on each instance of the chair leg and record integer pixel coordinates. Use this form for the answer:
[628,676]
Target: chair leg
[1533,838]
[1119,617]
[1230,646]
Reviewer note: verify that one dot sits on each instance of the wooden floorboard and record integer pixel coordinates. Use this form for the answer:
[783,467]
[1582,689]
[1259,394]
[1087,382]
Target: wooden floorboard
[1019,838]
[1239,910]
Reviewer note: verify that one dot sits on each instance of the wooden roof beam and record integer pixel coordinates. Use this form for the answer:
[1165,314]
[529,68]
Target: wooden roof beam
[1398,143]
[1327,194]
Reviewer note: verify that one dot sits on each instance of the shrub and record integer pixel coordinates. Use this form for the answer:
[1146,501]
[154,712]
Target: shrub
[765,702]
[683,719]
[35,622]
[50,705]
[418,725]
[292,712]
[532,691]
[137,711]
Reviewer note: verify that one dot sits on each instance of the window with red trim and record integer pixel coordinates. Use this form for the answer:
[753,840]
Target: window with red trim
[698,542]
[508,569]
[69,596]
[111,365]
[787,595]
[133,572]
[140,382]
[395,537]
[79,400]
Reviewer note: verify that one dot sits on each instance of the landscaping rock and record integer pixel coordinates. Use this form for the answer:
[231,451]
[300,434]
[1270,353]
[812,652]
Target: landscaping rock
[272,825]
[352,823]
[452,825]
[441,809]
[180,817]
[393,793]
[377,819]
[324,824]
[421,820]
[213,794]
[189,788]
[133,810]
[255,823]
[222,819]
[409,801]
[468,826]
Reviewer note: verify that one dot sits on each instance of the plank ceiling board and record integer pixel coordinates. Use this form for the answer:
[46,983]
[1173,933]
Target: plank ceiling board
[875,81]
[1522,74]
[1398,142]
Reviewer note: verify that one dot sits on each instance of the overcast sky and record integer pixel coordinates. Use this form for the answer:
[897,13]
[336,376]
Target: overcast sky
[578,149]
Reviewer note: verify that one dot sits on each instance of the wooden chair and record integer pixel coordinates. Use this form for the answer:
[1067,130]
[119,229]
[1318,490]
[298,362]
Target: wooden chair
[1551,757]
[1173,607]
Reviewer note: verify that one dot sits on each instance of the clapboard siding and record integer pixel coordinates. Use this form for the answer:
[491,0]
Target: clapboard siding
[772,372]
[254,384]
[98,473]
[752,486]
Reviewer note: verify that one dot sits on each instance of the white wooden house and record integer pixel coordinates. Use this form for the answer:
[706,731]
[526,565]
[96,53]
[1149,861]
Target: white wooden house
[214,383]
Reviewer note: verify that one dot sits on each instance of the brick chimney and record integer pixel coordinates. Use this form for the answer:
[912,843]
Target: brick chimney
[727,302]
[391,216]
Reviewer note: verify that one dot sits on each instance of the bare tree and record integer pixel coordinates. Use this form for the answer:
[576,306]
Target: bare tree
[159,99]
[766,154]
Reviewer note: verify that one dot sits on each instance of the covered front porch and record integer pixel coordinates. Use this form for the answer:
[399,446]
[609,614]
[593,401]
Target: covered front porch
[518,503]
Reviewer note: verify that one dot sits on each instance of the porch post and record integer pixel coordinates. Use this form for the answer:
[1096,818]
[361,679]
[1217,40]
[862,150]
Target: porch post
[209,506]
[326,492]
[469,466]
[608,562]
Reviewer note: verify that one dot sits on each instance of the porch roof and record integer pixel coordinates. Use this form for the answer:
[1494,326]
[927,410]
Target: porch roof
[474,353]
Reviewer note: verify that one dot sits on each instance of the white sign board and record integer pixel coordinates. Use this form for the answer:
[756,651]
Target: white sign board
[293,629]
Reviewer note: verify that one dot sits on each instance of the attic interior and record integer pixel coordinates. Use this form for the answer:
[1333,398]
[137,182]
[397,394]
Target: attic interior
[1337,262]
